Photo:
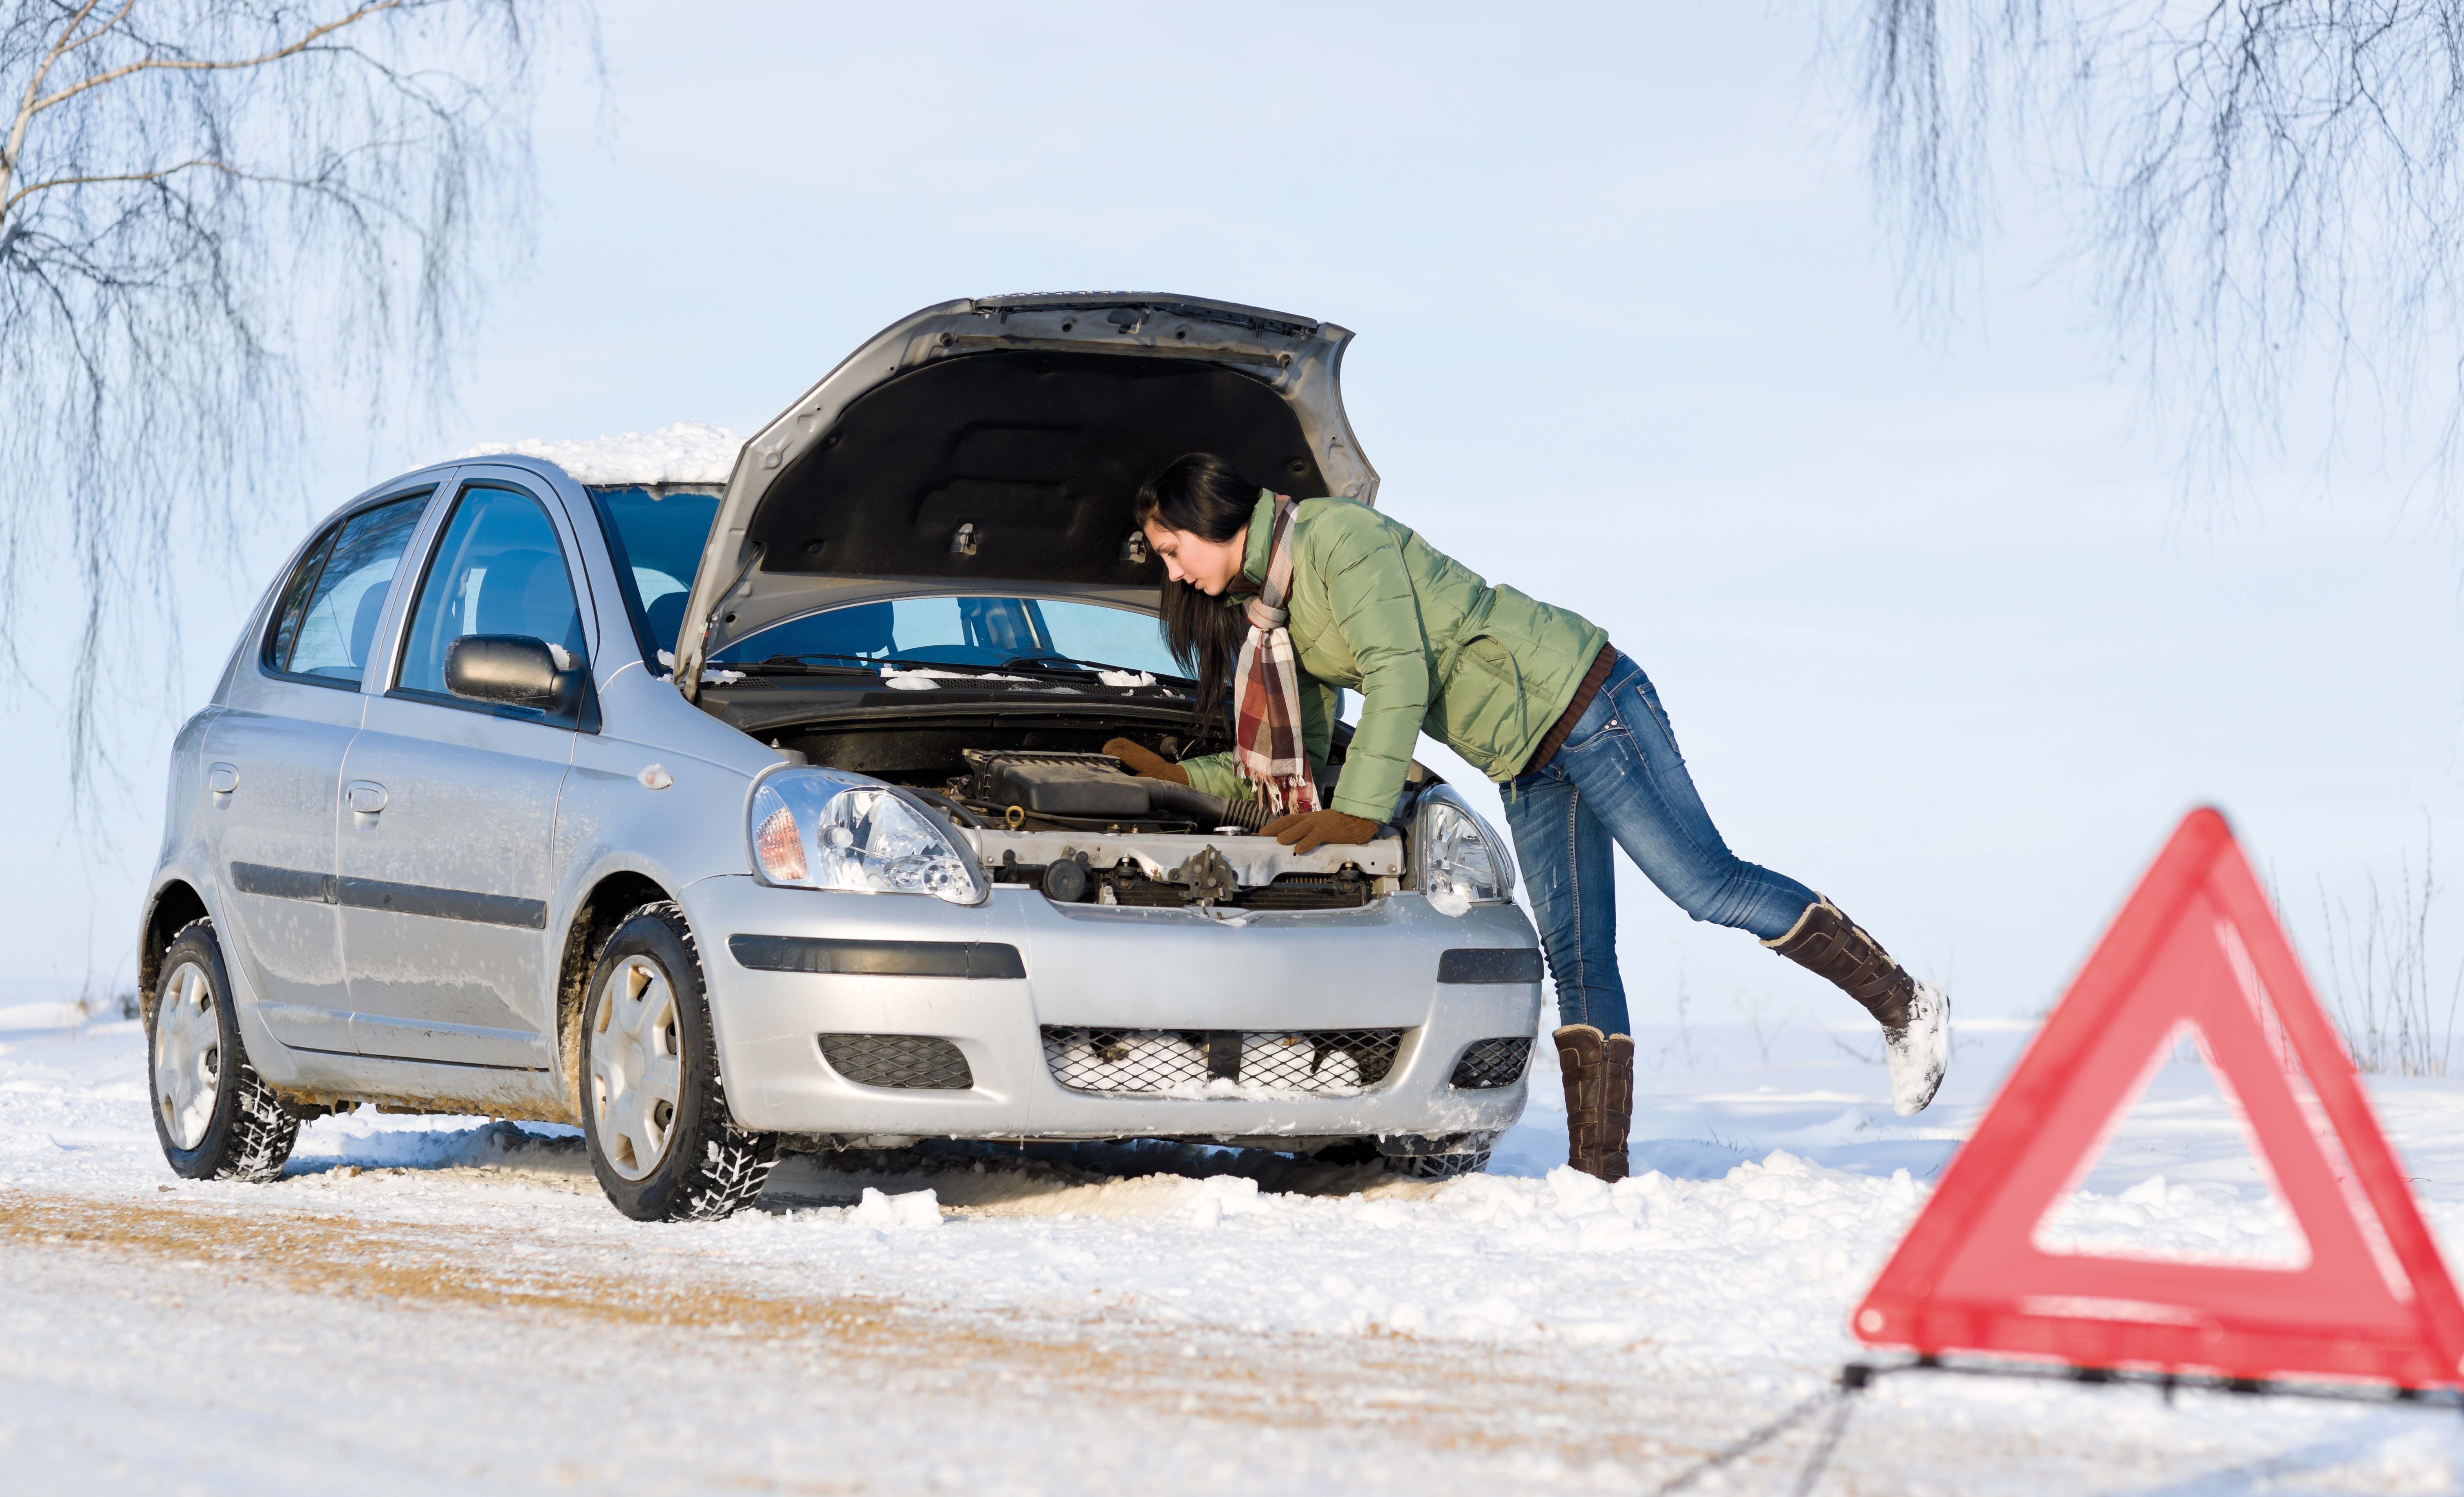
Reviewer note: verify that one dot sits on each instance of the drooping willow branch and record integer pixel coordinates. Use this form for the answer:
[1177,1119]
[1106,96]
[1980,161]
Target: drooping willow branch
[200,200]
[2265,192]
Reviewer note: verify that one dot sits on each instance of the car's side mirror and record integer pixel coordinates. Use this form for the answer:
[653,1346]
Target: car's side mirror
[514,669]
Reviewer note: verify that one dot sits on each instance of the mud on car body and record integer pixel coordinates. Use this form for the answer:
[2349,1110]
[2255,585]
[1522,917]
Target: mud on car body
[760,805]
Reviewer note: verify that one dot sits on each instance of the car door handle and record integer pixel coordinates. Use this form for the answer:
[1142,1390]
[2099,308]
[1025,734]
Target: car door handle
[366,796]
[221,779]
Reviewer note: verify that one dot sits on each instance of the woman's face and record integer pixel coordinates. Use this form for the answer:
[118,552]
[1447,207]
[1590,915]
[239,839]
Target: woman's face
[1208,565]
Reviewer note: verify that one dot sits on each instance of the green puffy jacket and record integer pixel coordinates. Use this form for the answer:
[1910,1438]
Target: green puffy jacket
[1429,645]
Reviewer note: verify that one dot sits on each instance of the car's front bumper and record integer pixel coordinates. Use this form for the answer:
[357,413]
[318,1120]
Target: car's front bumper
[1108,968]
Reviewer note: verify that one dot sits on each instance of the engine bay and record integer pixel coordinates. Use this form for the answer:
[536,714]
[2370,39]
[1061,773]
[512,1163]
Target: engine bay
[1088,792]
[1083,829]
[1182,870]
[1047,810]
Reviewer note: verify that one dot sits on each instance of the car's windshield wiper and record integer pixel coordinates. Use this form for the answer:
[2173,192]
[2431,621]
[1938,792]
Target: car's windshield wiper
[782,665]
[1085,668]
[868,664]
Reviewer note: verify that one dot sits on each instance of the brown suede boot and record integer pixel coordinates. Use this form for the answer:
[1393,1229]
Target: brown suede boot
[1915,1016]
[1599,1098]
[1831,947]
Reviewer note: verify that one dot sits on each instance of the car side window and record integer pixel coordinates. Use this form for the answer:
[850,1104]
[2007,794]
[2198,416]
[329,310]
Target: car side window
[498,569]
[284,632]
[326,627]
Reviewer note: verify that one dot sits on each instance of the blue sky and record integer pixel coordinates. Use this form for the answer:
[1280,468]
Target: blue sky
[1938,632]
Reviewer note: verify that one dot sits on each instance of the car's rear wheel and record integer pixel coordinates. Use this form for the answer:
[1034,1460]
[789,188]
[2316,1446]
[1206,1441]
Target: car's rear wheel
[661,1139]
[216,1118]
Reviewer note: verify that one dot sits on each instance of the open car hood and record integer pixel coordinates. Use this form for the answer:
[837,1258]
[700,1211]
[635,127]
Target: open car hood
[994,446]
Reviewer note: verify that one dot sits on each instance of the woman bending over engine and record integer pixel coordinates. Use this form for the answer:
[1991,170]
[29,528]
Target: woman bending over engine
[1289,602]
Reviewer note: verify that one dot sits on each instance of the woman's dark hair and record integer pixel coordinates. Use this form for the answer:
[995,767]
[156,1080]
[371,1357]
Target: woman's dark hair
[1203,494]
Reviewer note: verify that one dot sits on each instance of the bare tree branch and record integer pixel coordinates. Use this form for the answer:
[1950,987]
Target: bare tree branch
[76,42]
[2265,192]
[16,148]
[148,64]
[230,196]
[32,188]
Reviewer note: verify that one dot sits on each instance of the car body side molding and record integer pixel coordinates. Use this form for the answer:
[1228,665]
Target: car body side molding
[370,894]
[443,904]
[282,883]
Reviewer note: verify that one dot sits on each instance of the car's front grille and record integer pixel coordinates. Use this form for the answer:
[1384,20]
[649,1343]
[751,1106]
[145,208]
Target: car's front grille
[1332,1062]
[1290,892]
[1492,1062]
[905,1062]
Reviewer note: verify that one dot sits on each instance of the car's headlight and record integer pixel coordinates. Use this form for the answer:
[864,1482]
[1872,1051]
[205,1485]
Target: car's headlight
[815,829]
[1456,859]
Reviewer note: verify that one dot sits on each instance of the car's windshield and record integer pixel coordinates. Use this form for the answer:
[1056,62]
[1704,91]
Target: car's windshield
[658,538]
[963,631]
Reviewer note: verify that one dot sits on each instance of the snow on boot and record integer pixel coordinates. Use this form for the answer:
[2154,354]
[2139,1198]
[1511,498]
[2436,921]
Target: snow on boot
[1599,1098]
[1915,1016]
[1919,1050]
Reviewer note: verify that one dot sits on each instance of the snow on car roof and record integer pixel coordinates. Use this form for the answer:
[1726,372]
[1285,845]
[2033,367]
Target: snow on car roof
[689,451]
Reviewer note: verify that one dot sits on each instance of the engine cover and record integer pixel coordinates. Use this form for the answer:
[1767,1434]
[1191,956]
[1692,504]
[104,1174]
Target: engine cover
[1056,784]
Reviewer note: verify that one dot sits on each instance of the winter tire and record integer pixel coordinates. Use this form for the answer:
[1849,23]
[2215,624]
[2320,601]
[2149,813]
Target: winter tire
[1351,1151]
[1438,1166]
[662,1142]
[217,1119]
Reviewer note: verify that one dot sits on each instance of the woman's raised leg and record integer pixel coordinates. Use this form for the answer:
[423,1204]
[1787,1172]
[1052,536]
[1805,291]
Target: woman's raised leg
[1622,761]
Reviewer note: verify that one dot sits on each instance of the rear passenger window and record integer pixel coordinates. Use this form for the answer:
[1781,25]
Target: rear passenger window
[326,627]
[285,632]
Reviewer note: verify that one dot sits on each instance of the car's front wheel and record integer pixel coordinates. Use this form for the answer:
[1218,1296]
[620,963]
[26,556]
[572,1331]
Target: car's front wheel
[216,1117]
[1439,1166]
[655,1113]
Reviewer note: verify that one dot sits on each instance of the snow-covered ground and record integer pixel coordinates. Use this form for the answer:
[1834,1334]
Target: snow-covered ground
[426,1304]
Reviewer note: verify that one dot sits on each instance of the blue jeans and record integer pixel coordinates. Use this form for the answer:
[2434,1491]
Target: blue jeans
[1618,777]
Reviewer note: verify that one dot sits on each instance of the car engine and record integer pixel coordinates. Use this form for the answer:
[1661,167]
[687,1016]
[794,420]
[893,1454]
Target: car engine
[1091,792]
[1084,829]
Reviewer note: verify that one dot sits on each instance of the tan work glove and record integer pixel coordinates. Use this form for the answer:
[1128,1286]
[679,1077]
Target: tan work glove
[1146,761]
[1313,830]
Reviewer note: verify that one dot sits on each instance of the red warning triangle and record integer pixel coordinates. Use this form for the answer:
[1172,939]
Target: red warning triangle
[2196,944]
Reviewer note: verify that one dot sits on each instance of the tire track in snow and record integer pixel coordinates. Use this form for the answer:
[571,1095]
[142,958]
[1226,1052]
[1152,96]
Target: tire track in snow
[1483,1403]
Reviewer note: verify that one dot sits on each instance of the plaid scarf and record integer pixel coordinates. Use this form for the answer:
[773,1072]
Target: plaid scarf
[1265,688]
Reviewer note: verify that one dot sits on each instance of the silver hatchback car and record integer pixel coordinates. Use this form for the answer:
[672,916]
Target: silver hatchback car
[762,807]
